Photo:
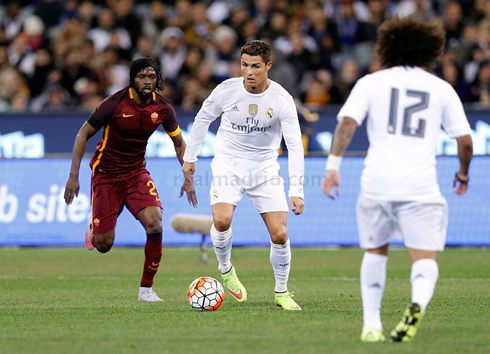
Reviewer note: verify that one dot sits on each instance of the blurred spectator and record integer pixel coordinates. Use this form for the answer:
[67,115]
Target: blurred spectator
[419,8]
[72,32]
[44,65]
[112,75]
[220,58]
[73,70]
[450,72]
[106,33]
[126,19]
[453,23]
[86,13]
[201,27]
[155,20]
[50,12]
[480,88]
[20,54]
[173,53]
[144,47]
[284,73]
[14,18]
[349,74]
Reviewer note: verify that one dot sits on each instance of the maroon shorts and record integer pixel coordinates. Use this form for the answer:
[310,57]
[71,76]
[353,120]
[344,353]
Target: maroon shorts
[109,196]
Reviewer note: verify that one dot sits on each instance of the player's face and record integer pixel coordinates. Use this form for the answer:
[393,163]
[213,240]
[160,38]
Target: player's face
[145,82]
[254,72]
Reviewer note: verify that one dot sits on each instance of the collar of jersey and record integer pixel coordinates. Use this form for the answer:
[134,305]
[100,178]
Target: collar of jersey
[132,97]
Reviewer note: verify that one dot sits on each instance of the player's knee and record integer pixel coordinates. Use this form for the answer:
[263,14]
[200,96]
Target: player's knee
[103,245]
[154,226]
[222,223]
[279,236]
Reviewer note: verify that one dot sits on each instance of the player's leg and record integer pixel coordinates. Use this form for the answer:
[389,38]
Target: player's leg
[424,227]
[225,193]
[221,236]
[143,201]
[280,258]
[375,226]
[107,204]
[151,219]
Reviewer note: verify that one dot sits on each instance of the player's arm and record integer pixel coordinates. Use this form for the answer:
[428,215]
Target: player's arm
[73,185]
[210,110]
[188,185]
[465,154]
[296,156]
[342,137]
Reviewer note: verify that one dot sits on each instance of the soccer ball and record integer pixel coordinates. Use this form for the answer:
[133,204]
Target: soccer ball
[205,294]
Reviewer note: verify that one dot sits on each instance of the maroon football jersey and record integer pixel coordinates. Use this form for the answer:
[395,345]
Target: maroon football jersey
[127,128]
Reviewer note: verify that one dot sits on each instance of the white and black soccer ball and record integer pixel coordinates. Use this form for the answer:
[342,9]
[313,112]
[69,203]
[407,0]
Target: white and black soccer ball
[205,294]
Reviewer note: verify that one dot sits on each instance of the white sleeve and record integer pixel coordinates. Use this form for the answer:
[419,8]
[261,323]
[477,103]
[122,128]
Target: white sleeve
[210,110]
[296,157]
[454,119]
[357,104]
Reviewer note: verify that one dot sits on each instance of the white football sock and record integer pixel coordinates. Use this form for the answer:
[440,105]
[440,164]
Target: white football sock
[425,273]
[281,263]
[373,280]
[222,248]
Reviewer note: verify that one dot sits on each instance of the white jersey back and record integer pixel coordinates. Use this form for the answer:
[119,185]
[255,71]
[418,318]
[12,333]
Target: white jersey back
[405,108]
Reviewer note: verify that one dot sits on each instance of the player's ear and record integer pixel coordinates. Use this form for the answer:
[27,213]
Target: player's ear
[269,65]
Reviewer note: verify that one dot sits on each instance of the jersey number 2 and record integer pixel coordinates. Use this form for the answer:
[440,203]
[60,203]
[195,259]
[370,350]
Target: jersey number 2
[408,112]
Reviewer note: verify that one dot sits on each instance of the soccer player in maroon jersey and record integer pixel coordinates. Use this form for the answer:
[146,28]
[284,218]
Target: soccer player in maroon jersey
[119,174]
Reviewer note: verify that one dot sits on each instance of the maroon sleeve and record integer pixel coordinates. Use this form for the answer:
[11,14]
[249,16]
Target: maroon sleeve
[104,113]
[170,123]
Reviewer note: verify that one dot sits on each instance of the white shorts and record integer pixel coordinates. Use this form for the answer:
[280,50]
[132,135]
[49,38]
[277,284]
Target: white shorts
[259,179]
[422,225]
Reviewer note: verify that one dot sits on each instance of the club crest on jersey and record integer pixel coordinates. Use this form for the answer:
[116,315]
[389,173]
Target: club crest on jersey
[270,113]
[253,109]
[154,116]
[215,194]
[96,222]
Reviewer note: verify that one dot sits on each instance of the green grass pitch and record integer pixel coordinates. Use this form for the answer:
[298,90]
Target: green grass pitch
[69,300]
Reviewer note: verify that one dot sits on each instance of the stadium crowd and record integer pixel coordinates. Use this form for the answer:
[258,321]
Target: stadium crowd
[69,55]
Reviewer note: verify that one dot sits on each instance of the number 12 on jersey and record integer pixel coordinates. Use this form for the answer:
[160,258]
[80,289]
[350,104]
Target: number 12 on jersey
[408,112]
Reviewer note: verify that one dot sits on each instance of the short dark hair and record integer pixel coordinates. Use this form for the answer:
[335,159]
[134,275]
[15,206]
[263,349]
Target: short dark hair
[409,41]
[257,48]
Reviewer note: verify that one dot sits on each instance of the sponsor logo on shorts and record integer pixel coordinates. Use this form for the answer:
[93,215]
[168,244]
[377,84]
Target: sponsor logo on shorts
[270,113]
[215,194]
[96,222]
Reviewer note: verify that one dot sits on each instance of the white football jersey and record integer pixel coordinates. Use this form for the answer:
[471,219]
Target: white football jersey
[405,108]
[252,126]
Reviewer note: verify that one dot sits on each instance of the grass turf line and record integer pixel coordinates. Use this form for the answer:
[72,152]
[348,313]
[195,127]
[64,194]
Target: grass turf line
[68,300]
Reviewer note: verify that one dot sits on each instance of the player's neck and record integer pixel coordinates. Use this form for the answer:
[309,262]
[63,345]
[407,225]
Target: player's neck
[258,89]
[140,100]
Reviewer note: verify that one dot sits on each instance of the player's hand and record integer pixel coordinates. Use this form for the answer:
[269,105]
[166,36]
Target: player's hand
[297,205]
[462,182]
[190,190]
[71,189]
[331,180]
[188,168]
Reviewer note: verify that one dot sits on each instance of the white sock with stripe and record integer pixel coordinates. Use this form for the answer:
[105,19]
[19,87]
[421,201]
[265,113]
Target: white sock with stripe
[373,280]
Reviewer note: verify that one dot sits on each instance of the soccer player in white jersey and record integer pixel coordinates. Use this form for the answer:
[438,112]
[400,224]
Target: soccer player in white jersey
[405,106]
[255,114]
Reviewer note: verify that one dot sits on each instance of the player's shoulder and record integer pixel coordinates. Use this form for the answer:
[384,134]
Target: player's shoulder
[229,83]
[162,100]
[117,97]
[278,90]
